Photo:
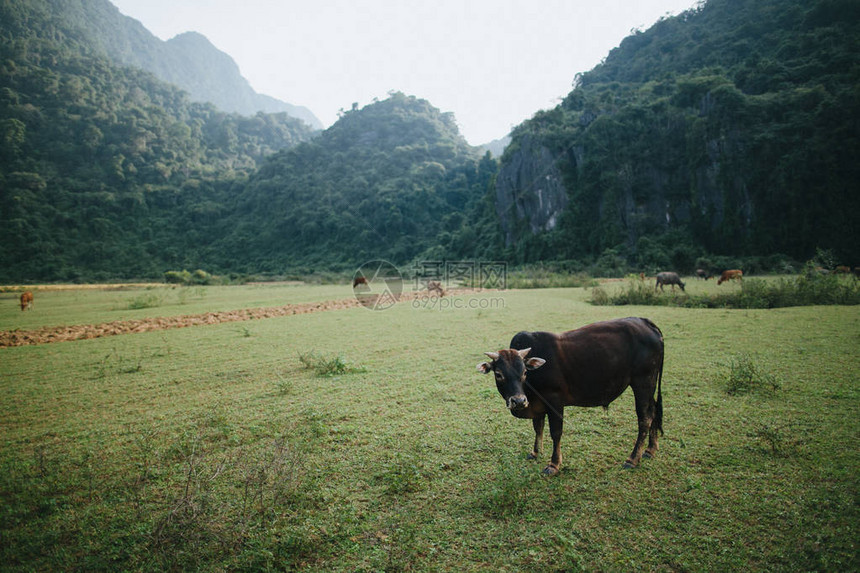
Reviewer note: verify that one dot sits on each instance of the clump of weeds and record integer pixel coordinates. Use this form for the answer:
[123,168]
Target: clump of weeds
[328,365]
[746,376]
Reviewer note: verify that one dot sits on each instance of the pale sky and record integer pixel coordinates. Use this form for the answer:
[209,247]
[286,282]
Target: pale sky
[493,63]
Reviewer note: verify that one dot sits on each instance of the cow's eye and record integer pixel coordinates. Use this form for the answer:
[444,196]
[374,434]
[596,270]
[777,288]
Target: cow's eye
[499,376]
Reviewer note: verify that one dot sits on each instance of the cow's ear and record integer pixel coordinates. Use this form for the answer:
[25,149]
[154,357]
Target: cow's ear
[484,367]
[534,363]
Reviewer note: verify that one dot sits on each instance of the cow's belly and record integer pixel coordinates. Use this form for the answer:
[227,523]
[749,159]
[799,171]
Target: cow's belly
[602,396]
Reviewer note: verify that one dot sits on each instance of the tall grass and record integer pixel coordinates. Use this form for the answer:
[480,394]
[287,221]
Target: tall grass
[807,289]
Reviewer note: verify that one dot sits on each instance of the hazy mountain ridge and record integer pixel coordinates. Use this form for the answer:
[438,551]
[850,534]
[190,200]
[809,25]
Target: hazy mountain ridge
[187,60]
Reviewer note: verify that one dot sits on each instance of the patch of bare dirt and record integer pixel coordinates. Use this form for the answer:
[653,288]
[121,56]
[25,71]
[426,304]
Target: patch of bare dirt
[50,334]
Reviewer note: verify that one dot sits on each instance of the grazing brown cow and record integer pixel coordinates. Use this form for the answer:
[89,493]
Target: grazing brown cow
[26,300]
[359,281]
[703,274]
[732,275]
[543,372]
[668,279]
[436,286]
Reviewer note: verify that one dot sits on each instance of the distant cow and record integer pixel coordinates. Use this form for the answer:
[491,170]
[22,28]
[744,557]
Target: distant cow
[26,300]
[359,281]
[543,372]
[843,270]
[732,275]
[435,286]
[703,274]
[668,279]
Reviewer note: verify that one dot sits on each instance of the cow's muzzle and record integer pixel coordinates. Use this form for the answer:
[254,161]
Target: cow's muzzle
[518,402]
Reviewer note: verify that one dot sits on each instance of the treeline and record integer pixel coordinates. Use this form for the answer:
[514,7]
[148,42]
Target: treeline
[729,131]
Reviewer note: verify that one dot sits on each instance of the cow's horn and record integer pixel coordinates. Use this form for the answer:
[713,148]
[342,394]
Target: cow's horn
[492,355]
[524,352]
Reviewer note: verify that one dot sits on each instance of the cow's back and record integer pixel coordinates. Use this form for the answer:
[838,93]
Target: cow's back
[593,365]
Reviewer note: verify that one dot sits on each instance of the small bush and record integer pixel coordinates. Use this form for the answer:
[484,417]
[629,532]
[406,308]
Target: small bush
[198,277]
[404,475]
[328,366]
[745,376]
[509,494]
[177,277]
[146,300]
[780,439]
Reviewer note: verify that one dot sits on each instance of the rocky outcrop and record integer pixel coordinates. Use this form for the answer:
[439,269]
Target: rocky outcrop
[529,190]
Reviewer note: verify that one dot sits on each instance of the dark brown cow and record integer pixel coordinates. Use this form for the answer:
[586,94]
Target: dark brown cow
[543,372]
[668,279]
[732,275]
[359,281]
[703,274]
[26,300]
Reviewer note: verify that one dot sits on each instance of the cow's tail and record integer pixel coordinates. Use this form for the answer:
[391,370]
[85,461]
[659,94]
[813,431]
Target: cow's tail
[657,422]
[658,411]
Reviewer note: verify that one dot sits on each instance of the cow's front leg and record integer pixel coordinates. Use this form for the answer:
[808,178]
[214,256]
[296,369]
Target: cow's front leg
[537,422]
[556,427]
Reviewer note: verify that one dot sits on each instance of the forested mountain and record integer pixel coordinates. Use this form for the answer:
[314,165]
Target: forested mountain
[106,171]
[392,180]
[732,129]
[729,131]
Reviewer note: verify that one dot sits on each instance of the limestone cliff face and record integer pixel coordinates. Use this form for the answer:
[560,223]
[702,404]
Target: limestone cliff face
[529,190]
[639,198]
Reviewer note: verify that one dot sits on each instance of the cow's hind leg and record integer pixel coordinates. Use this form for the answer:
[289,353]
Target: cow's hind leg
[651,450]
[538,423]
[645,407]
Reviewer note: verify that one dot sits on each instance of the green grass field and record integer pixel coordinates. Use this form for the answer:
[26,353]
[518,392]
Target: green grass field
[217,448]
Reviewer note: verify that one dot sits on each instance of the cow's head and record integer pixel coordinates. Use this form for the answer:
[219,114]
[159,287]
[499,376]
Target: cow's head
[509,368]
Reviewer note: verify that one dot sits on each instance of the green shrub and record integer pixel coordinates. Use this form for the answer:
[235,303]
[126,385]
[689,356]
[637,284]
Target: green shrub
[146,300]
[328,366]
[746,376]
[183,277]
[177,277]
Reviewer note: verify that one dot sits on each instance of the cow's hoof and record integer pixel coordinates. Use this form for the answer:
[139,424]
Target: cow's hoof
[550,471]
[628,465]
[647,455]
[531,456]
